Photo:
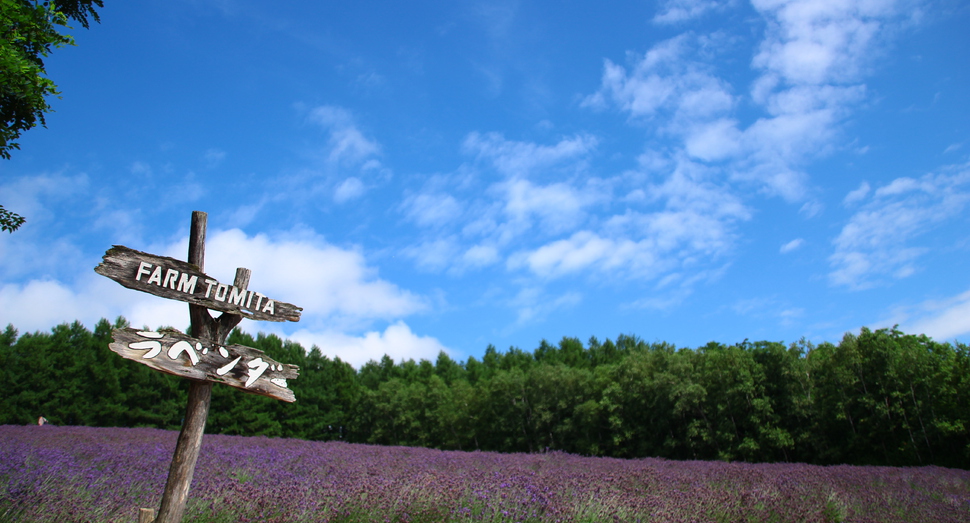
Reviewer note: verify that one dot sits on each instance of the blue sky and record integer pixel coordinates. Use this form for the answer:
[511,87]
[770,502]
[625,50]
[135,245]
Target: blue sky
[430,176]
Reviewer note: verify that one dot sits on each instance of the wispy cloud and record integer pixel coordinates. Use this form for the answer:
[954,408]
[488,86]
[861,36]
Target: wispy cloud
[677,11]
[942,319]
[856,195]
[431,209]
[557,207]
[818,43]
[434,254]
[810,65]
[513,158]
[533,304]
[346,143]
[349,189]
[695,221]
[878,239]
[792,245]
[213,157]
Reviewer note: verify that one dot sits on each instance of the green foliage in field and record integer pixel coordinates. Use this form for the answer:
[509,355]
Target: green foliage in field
[878,398]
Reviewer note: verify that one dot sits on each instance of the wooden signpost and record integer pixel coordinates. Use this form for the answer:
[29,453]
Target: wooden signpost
[203,357]
[178,280]
[181,355]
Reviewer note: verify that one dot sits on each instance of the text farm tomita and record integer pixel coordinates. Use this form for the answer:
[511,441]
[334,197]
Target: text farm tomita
[178,280]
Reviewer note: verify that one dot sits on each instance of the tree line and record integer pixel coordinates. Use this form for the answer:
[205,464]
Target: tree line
[881,397]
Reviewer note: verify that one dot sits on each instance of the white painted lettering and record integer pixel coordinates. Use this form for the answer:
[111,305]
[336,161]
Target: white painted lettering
[228,367]
[142,269]
[236,296]
[259,367]
[184,346]
[156,276]
[270,307]
[209,283]
[249,300]
[221,291]
[153,348]
[171,278]
[258,300]
[186,284]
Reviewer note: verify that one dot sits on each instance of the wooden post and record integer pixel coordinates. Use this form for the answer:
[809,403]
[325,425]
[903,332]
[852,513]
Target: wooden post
[146,515]
[205,328]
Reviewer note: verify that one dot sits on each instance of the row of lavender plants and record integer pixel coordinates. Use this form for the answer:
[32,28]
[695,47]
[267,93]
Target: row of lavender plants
[875,398]
[80,474]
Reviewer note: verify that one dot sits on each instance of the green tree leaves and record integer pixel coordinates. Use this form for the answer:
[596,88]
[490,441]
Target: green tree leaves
[882,397]
[29,31]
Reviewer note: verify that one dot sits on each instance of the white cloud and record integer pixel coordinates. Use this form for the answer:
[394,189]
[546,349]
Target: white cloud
[697,221]
[448,255]
[35,196]
[665,80]
[44,200]
[469,221]
[900,186]
[338,291]
[580,251]
[675,11]
[333,285]
[397,341]
[480,256]
[953,147]
[792,245]
[349,189]
[558,206]
[214,157]
[513,158]
[27,253]
[38,305]
[141,169]
[332,116]
[713,141]
[681,97]
[347,144]
[942,320]
[434,254]
[856,195]
[875,241]
[433,210]
[811,208]
[818,42]
[811,63]
[532,304]
[813,56]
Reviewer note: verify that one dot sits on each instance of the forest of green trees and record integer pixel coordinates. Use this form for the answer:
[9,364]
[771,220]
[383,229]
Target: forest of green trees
[881,397]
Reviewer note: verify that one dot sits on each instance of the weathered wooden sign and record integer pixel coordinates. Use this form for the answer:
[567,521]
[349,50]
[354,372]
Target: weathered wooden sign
[204,360]
[178,280]
[236,365]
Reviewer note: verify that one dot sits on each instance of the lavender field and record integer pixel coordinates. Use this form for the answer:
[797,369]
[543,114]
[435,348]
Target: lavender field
[81,474]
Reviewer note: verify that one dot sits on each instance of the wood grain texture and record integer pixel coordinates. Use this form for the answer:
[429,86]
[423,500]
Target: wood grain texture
[174,280]
[210,364]
[182,469]
[146,515]
[186,455]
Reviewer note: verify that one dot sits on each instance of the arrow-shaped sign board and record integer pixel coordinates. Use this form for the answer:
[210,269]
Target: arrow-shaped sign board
[236,365]
[178,280]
